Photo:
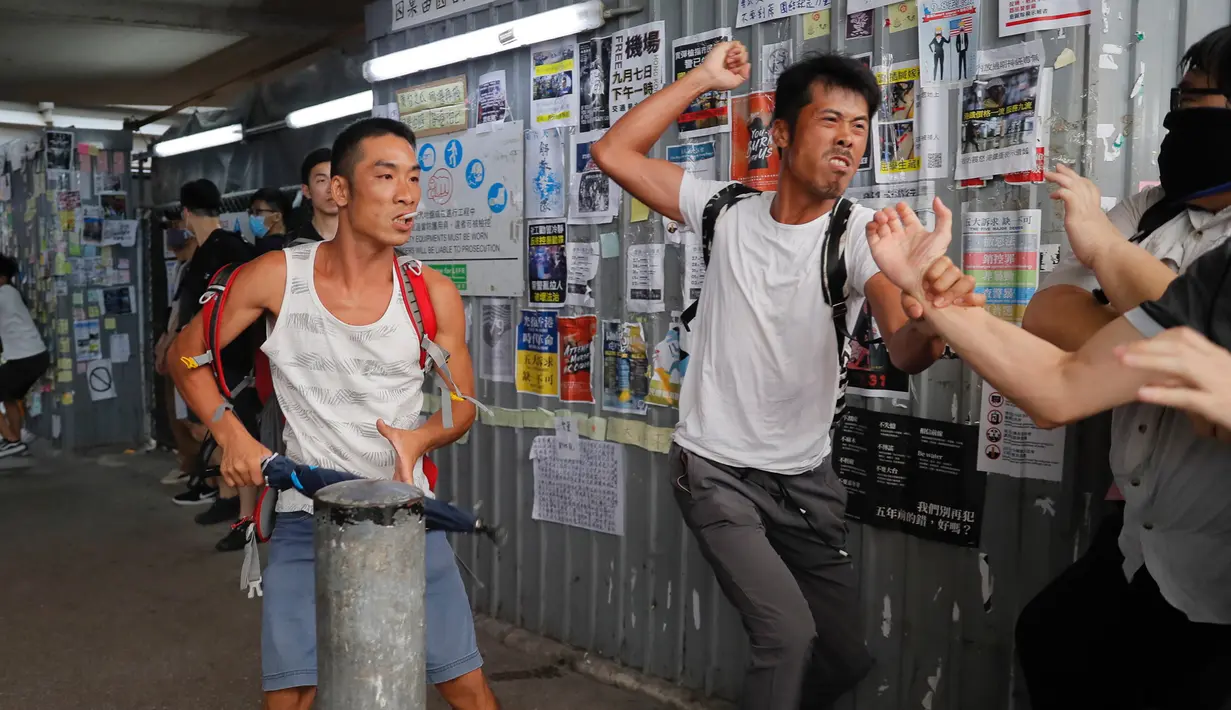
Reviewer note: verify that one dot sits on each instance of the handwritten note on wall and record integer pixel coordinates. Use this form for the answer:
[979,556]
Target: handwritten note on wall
[586,493]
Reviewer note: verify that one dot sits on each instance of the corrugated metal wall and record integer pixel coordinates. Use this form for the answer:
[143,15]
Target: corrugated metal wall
[939,619]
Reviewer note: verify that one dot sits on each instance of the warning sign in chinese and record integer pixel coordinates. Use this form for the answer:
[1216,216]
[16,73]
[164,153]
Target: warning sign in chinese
[638,66]
[434,108]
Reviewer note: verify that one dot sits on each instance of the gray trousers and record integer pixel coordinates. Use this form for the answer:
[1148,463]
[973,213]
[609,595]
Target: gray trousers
[776,546]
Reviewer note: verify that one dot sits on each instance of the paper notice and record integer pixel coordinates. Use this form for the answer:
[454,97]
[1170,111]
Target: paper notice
[638,66]
[644,278]
[1001,252]
[1021,16]
[587,492]
[120,349]
[999,119]
[555,96]
[538,355]
[582,259]
[493,98]
[546,180]
[497,343]
[1011,444]
[568,441]
[709,112]
[896,125]
[948,40]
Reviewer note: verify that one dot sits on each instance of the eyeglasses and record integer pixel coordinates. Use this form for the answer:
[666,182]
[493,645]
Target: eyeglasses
[1181,95]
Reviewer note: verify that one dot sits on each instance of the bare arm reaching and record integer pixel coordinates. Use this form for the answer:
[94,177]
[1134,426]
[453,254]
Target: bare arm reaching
[257,288]
[411,444]
[621,153]
[1066,316]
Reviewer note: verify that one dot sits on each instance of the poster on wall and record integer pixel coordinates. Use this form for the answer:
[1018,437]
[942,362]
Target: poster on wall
[754,159]
[667,372]
[709,112]
[643,272]
[471,210]
[1001,251]
[1021,16]
[554,100]
[577,358]
[859,25]
[853,6]
[546,262]
[1042,134]
[915,475]
[538,368]
[582,260]
[948,41]
[582,491]
[411,13]
[775,58]
[698,160]
[870,372]
[60,147]
[638,66]
[594,73]
[932,140]
[546,180]
[434,108]
[625,368]
[752,12]
[999,118]
[496,343]
[493,98]
[594,198]
[88,340]
[1011,444]
[896,123]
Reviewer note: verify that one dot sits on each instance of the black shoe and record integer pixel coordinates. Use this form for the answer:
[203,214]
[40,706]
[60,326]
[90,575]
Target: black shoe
[224,510]
[12,448]
[199,494]
[235,538]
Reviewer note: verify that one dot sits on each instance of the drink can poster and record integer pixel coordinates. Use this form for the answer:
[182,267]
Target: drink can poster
[708,113]
[548,269]
[577,358]
[625,367]
[668,373]
[754,159]
[538,370]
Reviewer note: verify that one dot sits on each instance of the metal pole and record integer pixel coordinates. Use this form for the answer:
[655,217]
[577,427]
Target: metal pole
[369,545]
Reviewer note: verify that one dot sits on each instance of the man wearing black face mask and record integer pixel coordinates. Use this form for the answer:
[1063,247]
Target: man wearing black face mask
[1062,654]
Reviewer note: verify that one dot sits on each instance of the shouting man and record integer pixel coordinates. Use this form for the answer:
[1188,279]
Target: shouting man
[344,356]
[751,453]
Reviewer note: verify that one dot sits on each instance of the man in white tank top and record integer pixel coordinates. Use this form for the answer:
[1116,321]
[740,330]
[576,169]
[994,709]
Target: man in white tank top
[344,356]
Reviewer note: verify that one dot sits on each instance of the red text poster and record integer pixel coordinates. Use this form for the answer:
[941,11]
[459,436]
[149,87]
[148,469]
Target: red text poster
[754,158]
[576,358]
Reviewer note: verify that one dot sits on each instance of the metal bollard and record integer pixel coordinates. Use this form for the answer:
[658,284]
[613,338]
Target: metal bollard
[369,541]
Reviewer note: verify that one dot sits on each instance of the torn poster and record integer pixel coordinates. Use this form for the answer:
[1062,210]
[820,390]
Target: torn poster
[752,12]
[496,344]
[586,492]
[911,474]
[577,358]
[870,372]
[667,374]
[1011,444]
[625,368]
[493,98]
[775,58]
[948,40]
[932,142]
[434,108]
[896,123]
[546,181]
[643,271]
[710,112]
[582,260]
[594,198]
[697,159]
[594,73]
[546,262]
[1042,134]
[638,66]
[555,100]
[538,370]
[999,120]
[754,159]
[1021,16]
[1001,251]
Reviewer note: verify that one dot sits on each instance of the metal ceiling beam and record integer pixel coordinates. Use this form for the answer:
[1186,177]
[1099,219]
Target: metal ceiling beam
[169,16]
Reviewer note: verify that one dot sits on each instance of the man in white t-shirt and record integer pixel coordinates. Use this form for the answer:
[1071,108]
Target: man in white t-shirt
[751,453]
[25,359]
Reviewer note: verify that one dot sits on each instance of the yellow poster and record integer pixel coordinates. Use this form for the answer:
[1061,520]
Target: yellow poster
[816,24]
[903,16]
[538,364]
[897,159]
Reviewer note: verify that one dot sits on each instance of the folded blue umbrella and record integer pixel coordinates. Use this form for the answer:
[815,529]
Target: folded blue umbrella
[283,474]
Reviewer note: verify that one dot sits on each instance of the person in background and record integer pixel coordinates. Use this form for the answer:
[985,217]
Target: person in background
[201,203]
[187,441]
[1177,222]
[267,212]
[25,359]
[315,175]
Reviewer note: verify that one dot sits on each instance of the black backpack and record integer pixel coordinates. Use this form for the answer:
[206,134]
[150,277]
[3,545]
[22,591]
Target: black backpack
[833,265]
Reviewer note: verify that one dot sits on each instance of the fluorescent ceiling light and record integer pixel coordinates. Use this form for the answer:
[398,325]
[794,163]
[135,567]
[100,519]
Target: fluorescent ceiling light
[330,110]
[233,133]
[526,31]
[89,123]
[20,118]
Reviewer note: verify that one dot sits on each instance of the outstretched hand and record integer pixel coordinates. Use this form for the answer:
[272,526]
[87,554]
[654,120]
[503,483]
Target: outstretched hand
[906,252]
[405,449]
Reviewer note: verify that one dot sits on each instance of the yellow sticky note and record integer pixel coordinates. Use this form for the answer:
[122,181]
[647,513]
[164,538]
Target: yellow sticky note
[903,16]
[64,346]
[77,299]
[538,419]
[658,439]
[816,24]
[595,428]
[640,211]
[94,150]
[64,375]
[67,397]
[65,363]
[626,431]
[92,312]
[62,327]
[511,418]
[105,255]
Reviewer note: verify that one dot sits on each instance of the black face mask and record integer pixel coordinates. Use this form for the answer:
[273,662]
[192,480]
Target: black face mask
[1189,165]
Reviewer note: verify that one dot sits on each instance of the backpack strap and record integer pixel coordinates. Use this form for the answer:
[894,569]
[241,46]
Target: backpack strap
[833,274]
[213,301]
[715,208]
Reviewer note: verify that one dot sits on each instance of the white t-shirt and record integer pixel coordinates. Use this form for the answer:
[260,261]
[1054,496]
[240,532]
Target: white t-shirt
[17,331]
[762,378]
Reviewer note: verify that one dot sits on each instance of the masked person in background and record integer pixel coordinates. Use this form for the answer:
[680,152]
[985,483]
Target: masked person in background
[267,211]
[178,241]
[1178,222]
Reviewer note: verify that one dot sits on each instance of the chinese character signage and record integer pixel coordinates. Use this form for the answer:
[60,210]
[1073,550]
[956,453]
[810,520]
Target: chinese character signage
[410,13]
[434,108]
[751,12]
[1021,16]
[638,66]
[708,113]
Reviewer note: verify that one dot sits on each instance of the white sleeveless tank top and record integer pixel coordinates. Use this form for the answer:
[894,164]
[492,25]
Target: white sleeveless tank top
[334,380]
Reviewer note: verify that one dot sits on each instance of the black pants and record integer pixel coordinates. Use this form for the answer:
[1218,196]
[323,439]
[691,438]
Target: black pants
[775,544]
[1091,640]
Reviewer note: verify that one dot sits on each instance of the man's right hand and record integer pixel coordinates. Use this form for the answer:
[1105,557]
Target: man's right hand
[726,66]
[1090,231]
[242,457]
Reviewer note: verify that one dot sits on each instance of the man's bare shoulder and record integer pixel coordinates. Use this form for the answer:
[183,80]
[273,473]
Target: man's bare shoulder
[262,281]
[446,299]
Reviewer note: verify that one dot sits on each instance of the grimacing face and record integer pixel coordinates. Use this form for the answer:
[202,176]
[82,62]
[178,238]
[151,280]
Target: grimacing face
[830,137]
[382,195]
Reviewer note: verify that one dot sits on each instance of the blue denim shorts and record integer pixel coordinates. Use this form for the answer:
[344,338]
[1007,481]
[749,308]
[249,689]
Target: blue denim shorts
[288,615]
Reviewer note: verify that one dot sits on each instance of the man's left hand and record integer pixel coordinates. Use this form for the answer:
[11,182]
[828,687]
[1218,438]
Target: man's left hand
[944,284]
[406,448]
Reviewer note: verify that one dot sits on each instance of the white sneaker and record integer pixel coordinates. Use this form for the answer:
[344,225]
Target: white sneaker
[27,436]
[174,477]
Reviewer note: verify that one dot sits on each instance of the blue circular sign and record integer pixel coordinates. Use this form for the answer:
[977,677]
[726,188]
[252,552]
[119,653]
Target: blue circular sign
[427,156]
[475,172]
[453,153]
[497,197]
